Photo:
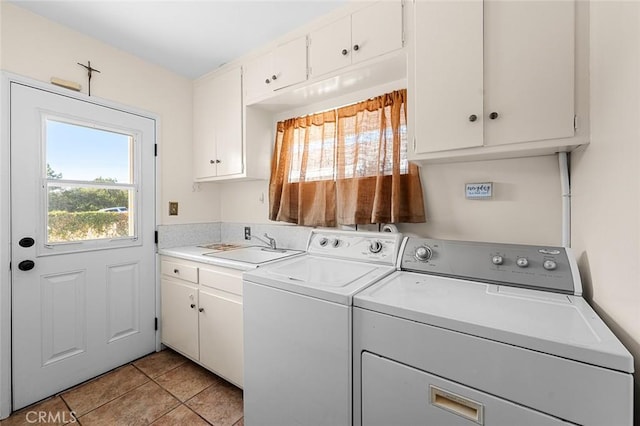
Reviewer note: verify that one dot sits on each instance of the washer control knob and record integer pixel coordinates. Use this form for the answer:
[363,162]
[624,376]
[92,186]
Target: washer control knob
[549,265]
[497,260]
[423,253]
[323,241]
[522,262]
[375,247]
[335,242]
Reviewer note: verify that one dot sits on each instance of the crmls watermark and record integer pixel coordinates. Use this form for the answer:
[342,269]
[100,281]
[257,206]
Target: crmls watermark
[51,417]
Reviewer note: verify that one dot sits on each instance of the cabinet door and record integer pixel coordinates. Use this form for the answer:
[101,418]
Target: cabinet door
[529,70]
[217,125]
[289,63]
[228,119]
[257,77]
[204,128]
[221,347]
[180,316]
[445,76]
[330,47]
[375,30]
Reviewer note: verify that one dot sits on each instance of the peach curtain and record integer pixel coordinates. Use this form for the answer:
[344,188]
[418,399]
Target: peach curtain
[346,167]
[302,188]
[374,182]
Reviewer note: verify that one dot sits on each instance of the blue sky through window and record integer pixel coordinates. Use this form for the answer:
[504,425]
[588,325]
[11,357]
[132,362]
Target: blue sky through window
[84,153]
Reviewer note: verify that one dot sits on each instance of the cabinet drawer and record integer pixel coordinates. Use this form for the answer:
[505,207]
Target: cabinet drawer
[180,270]
[224,279]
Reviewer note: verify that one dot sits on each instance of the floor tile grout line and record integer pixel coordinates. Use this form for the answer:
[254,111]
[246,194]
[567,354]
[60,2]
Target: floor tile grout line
[149,379]
[164,372]
[119,396]
[195,412]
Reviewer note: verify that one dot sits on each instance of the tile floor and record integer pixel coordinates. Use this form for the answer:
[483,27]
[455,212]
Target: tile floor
[163,388]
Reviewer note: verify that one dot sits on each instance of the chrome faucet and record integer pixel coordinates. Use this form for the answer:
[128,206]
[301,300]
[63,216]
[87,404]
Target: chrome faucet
[271,242]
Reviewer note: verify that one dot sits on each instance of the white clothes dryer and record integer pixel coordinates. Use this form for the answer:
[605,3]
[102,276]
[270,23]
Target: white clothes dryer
[297,328]
[490,334]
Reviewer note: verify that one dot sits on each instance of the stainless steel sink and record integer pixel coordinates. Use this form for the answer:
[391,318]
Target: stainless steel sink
[254,254]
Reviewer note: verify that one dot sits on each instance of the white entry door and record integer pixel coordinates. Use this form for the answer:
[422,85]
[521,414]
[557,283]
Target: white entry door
[83,256]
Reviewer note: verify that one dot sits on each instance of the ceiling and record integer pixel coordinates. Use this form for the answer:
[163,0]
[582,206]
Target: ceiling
[188,37]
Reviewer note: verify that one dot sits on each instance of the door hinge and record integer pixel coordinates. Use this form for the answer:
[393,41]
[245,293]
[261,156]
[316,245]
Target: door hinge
[575,122]
[155,150]
[155,237]
[155,323]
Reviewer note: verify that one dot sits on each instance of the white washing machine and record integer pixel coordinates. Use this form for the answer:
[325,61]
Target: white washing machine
[297,328]
[491,334]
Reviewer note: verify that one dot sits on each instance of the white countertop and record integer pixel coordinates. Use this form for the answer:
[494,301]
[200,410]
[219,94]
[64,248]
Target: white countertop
[197,254]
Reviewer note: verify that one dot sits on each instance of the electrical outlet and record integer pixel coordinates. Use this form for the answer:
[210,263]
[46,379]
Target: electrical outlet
[173,208]
[247,232]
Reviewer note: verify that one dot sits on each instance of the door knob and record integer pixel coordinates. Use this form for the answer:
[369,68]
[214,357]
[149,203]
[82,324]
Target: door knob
[26,265]
[26,242]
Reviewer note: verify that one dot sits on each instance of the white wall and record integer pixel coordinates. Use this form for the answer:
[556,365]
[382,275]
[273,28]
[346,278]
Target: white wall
[606,176]
[40,49]
[525,208]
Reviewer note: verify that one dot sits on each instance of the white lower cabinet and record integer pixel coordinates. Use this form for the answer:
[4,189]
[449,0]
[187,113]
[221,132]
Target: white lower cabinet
[221,335]
[202,315]
[180,316]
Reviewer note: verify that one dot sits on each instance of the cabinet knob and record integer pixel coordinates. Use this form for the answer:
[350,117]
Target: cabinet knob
[274,77]
[344,52]
[200,309]
[356,47]
[176,271]
[193,306]
[211,161]
[473,118]
[218,161]
[267,81]
[493,115]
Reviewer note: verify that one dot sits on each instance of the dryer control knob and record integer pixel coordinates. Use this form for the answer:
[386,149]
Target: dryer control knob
[497,260]
[423,253]
[335,243]
[522,262]
[375,247]
[323,241]
[549,265]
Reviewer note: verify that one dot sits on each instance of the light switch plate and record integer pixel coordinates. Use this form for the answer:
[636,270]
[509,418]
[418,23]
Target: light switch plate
[173,208]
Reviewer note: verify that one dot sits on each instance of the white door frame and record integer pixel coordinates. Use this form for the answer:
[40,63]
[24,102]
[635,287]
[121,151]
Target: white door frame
[6,79]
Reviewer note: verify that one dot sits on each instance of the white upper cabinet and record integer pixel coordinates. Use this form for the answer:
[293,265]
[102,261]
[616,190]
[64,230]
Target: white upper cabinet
[284,66]
[217,126]
[365,34]
[529,60]
[490,74]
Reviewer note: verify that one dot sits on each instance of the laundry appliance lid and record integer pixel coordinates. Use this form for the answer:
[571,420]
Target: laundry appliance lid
[556,324]
[331,279]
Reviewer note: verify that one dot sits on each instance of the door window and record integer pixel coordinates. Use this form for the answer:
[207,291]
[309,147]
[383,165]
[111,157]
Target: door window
[91,186]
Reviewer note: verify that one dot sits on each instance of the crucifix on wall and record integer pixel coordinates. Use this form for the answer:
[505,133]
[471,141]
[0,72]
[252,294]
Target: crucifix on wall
[90,71]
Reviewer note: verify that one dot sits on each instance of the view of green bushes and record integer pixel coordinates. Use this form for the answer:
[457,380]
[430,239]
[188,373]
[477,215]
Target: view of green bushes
[74,212]
[76,226]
